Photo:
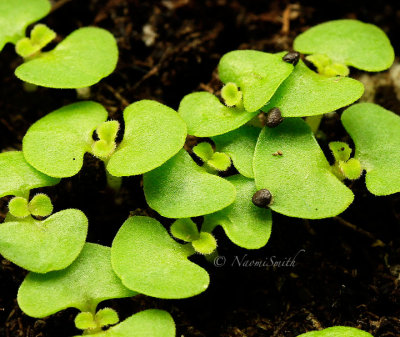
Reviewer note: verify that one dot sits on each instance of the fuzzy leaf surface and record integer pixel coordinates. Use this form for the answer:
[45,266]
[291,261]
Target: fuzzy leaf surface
[337,331]
[300,180]
[88,281]
[351,42]
[182,189]
[376,134]
[82,59]
[153,134]
[56,143]
[150,262]
[306,93]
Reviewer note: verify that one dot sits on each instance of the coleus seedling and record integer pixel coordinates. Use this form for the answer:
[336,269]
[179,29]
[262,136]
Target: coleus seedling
[82,59]
[54,242]
[88,281]
[334,45]
[337,331]
[153,134]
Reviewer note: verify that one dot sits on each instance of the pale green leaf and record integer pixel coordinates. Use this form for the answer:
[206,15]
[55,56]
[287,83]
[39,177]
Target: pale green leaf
[305,93]
[204,151]
[206,116]
[41,205]
[351,42]
[18,177]
[82,59]
[185,229]
[18,207]
[153,134]
[205,244]
[57,143]
[43,246]
[219,161]
[182,189]
[376,134]
[246,225]
[239,145]
[341,151]
[17,15]
[150,262]
[300,180]
[257,74]
[337,331]
[83,285]
[147,323]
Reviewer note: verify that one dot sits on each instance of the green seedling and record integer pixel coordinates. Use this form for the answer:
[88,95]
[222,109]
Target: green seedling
[344,166]
[376,134]
[334,45]
[300,177]
[88,281]
[213,161]
[182,189]
[150,262]
[337,331]
[231,95]
[153,134]
[82,59]
[17,15]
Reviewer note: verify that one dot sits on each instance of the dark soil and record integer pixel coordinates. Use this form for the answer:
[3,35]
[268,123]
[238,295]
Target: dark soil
[349,273]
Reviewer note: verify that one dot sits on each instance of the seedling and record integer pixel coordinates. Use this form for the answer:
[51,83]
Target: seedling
[334,45]
[213,161]
[82,59]
[337,331]
[41,295]
[153,134]
[344,167]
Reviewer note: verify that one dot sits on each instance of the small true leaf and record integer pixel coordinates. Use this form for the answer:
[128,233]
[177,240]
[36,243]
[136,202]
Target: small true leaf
[351,169]
[185,229]
[150,262]
[205,244]
[17,176]
[147,323]
[83,285]
[53,243]
[239,145]
[42,35]
[18,207]
[219,161]
[108,131]
[85,320]
[351,42]
[204,151]
[82,59]
[300,180]
[17,15]
[337,331]
[65,134]
[257,74]
[41,205]
[305,93]
[106,316]
[246,225]
[153,134]
[206,116]
[231,94]
[182,189]
[341,151]
[376,134]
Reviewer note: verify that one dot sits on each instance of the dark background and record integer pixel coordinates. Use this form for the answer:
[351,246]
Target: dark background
[346,276]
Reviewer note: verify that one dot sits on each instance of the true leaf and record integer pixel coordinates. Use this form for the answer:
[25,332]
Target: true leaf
[351,42]
[182,189]
[147,323]
[300,180]
[153,134]
[17,15]
[82,59]
[239,145]
[206,116]
[83,285]
[376,134]
[246,225]
[57,143]
[150,262]
[305,93]
[337,331]
[18,177]
[53,244]
[257,74]
[185,229]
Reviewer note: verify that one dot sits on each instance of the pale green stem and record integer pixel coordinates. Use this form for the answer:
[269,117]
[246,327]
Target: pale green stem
[314,122]
[113,182]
